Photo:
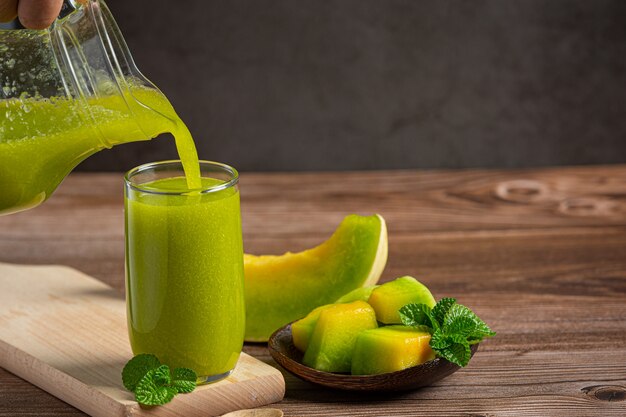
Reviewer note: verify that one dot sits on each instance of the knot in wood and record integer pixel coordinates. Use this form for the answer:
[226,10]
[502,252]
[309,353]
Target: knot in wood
[588,206]
[522,191]
[609,393]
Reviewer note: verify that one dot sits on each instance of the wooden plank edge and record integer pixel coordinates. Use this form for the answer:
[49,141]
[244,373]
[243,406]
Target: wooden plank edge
[58,383]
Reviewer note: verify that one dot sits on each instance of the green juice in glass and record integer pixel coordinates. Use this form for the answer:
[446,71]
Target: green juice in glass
[184,262]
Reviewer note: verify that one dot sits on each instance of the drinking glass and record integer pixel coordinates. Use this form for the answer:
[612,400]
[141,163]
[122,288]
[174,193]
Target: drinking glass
[184,267]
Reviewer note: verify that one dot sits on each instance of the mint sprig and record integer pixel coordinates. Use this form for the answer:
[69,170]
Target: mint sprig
[184,380]
[153,383]
[154,388]
[418,315]
[136,368]
[453,328]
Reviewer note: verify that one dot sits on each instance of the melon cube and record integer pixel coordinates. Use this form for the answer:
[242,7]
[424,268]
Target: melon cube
[390,349]
[393,295]
[332,342]
[302,329]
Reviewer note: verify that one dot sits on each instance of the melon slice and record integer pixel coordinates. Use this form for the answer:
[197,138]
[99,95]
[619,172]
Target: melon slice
[390,349]
[302,329]
[281,289]
[332,342]
[390,297]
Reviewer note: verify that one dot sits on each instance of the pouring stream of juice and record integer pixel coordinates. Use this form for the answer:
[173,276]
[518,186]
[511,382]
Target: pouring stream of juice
[42,140]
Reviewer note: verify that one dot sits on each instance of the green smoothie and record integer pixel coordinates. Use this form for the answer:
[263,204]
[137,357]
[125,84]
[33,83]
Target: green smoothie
[43,139]
[185,274]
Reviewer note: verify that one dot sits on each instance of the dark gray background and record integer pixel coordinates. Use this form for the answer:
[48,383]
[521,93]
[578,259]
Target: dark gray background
[374,84]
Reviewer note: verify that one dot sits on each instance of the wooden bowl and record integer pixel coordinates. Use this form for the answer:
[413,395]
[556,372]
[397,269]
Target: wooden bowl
[284,352]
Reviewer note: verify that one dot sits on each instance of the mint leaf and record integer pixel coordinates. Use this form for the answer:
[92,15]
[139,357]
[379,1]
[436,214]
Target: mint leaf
[439,340]
[152,383]
[461,320]
[154,389]
[460,328]
[441,309]
[461,325]
[136,368]
[417,315]
[184,380]
[453,328]
[457,352]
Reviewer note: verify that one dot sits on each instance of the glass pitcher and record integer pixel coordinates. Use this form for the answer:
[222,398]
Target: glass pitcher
[66,93]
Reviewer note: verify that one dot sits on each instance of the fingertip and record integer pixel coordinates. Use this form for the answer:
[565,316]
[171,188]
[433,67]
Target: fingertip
[8,10]
[38,14]
[39,22]
[5,18]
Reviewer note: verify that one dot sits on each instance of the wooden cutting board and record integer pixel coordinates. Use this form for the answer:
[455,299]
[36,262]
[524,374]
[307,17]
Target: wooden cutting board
[65,332]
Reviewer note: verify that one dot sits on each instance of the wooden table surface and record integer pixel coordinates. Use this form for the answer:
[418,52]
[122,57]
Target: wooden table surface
[539,254]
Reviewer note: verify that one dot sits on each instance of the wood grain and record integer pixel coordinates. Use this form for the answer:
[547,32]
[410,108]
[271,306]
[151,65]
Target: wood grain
[540,254]
[65,332]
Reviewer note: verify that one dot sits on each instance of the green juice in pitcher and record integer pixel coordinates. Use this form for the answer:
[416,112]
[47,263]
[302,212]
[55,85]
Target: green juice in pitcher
[68,92]
[42,140]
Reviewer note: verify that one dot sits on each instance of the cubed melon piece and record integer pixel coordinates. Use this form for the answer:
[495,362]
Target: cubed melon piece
[390,297]
[332,342]
[362,294]
[390,349]
[302,329]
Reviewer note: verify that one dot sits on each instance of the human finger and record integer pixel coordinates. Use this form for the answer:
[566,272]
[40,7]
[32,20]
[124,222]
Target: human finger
[8,10]
[38,14]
